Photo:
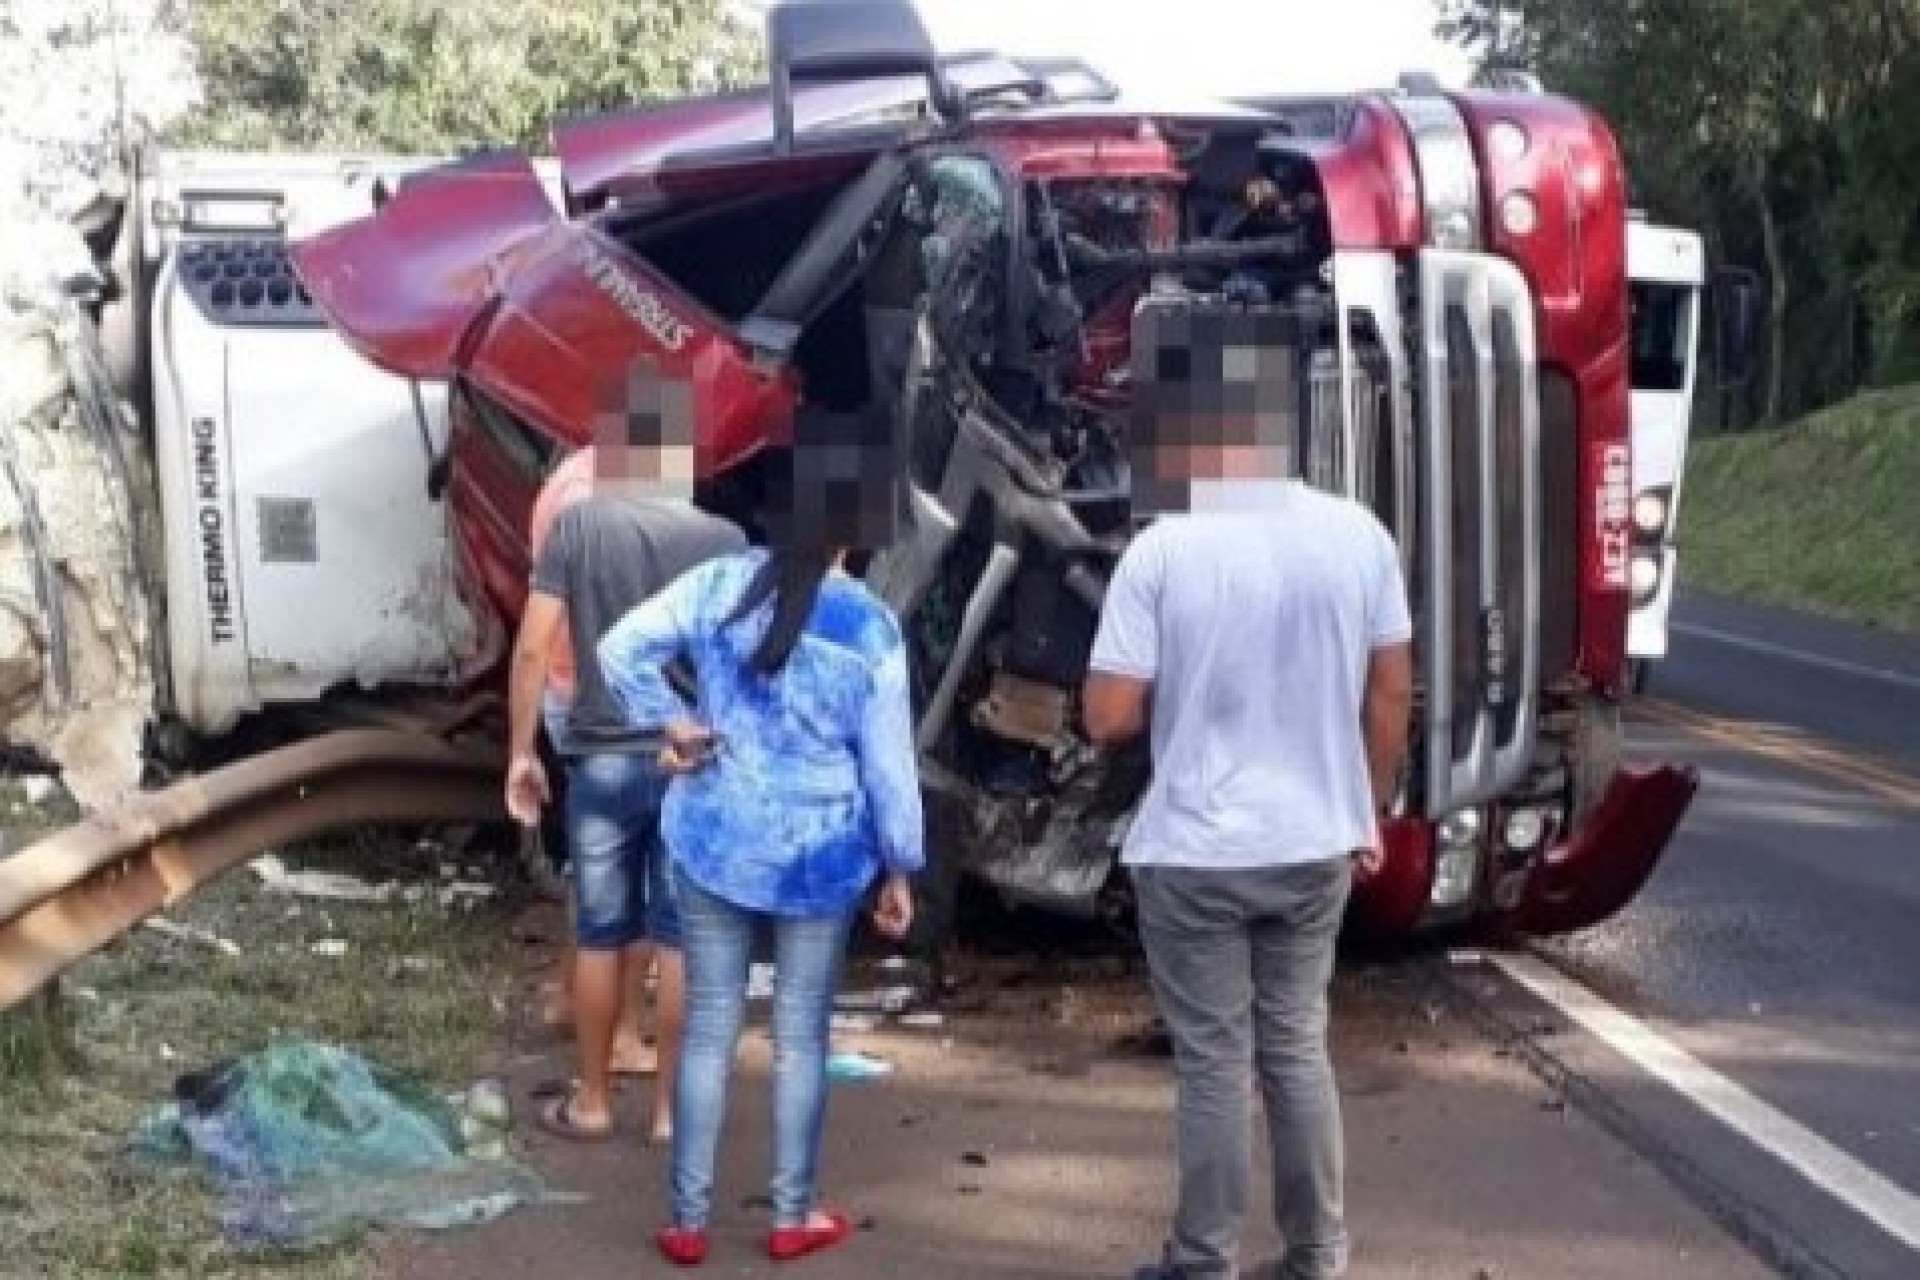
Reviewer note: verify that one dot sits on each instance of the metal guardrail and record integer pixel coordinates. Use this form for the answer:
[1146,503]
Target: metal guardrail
[77,890]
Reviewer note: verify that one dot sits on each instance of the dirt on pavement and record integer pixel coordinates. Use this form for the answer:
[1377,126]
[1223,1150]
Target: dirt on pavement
[1030,1136]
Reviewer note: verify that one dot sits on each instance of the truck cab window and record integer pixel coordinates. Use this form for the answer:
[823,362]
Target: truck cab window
[530,452]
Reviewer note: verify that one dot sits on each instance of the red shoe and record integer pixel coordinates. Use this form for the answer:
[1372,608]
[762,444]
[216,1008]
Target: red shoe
[682,1246]
[784,1244]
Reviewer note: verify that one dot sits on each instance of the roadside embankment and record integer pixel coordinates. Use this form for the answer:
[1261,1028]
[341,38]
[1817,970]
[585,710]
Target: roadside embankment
[1821,515]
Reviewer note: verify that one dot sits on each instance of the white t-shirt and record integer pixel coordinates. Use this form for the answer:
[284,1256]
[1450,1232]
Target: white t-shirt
[1255,627]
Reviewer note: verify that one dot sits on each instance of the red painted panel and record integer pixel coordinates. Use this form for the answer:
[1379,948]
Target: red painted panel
[1576,261]
[1389,903]
[1600,868]
[1372,182]
[579,309]
[403,285]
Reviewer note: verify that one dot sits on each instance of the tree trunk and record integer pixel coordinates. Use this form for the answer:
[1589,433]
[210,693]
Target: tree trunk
[1770,411]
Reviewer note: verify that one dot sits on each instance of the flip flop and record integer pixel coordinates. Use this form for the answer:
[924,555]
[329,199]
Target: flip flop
[557,1119]
[555,1087]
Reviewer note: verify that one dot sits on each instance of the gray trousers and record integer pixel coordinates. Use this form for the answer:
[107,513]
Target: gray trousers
[1240,962]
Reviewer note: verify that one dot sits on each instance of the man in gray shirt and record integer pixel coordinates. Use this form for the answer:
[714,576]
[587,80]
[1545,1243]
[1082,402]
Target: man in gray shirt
[601,557]
[1264,635]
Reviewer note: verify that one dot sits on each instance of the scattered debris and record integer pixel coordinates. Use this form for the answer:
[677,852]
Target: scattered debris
[331,947]
[191,933]
[307,1143]
[273,874]
[76,622]
[855,1066]
[881,999]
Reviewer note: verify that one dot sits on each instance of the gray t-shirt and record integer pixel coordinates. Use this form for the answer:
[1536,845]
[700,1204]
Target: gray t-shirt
[1255,628]
[602,556]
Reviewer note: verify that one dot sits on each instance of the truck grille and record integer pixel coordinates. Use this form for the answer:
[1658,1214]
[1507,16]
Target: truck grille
[1479,536]
[1451,462]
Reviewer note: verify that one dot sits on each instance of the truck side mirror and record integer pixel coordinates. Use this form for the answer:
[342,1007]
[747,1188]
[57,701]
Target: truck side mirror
[1737,310]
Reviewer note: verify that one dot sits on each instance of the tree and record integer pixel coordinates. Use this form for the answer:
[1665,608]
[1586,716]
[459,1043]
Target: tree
[77,77]
[1772,125]
[427,76]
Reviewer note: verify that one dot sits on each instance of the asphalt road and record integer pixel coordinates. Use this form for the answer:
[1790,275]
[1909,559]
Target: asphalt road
[1778,945]
[1029,1137]
[1725,1079]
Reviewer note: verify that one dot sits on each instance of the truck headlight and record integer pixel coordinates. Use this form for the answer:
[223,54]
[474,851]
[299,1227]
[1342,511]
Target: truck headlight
[1461,827]
[1524,830]
[1454,872]
[1507,140]
[1650,512]
[1519,214]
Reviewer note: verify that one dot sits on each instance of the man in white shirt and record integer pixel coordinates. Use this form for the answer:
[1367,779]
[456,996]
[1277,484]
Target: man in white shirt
[1265,637]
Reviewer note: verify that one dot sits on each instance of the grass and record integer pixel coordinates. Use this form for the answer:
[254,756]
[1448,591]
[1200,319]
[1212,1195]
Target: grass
[1823,515]
[422,987]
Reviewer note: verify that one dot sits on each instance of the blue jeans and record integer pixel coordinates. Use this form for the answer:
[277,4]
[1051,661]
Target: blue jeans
[807,956]
[621,891]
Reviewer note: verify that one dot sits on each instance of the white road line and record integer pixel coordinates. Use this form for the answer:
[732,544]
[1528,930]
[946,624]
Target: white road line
[1885,674]
[1889,1206]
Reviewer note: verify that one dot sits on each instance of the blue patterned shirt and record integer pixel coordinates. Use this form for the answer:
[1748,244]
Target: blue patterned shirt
[815,785]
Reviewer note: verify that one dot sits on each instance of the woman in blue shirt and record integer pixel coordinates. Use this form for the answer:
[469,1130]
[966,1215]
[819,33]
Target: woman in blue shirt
[794,791]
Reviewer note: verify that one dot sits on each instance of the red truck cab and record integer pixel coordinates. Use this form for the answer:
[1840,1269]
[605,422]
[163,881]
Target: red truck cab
[1455,262]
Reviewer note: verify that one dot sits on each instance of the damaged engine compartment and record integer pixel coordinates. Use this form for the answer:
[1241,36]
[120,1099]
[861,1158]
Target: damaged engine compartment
[997,313]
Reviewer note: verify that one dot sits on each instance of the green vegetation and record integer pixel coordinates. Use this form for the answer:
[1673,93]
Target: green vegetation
[1782,130]
[437,76]
[1823,515]
[422,985]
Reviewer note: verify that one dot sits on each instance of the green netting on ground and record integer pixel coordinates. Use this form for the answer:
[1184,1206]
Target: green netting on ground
[306,1143]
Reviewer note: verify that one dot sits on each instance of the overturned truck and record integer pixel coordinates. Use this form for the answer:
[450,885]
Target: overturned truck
[961,250]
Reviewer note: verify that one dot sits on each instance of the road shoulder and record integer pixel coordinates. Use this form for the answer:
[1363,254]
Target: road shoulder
[1030,1136]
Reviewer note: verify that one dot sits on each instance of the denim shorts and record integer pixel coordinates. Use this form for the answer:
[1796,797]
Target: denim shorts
[623,892]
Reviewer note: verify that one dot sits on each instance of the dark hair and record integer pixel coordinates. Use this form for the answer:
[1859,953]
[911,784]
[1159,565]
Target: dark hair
[791,577]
